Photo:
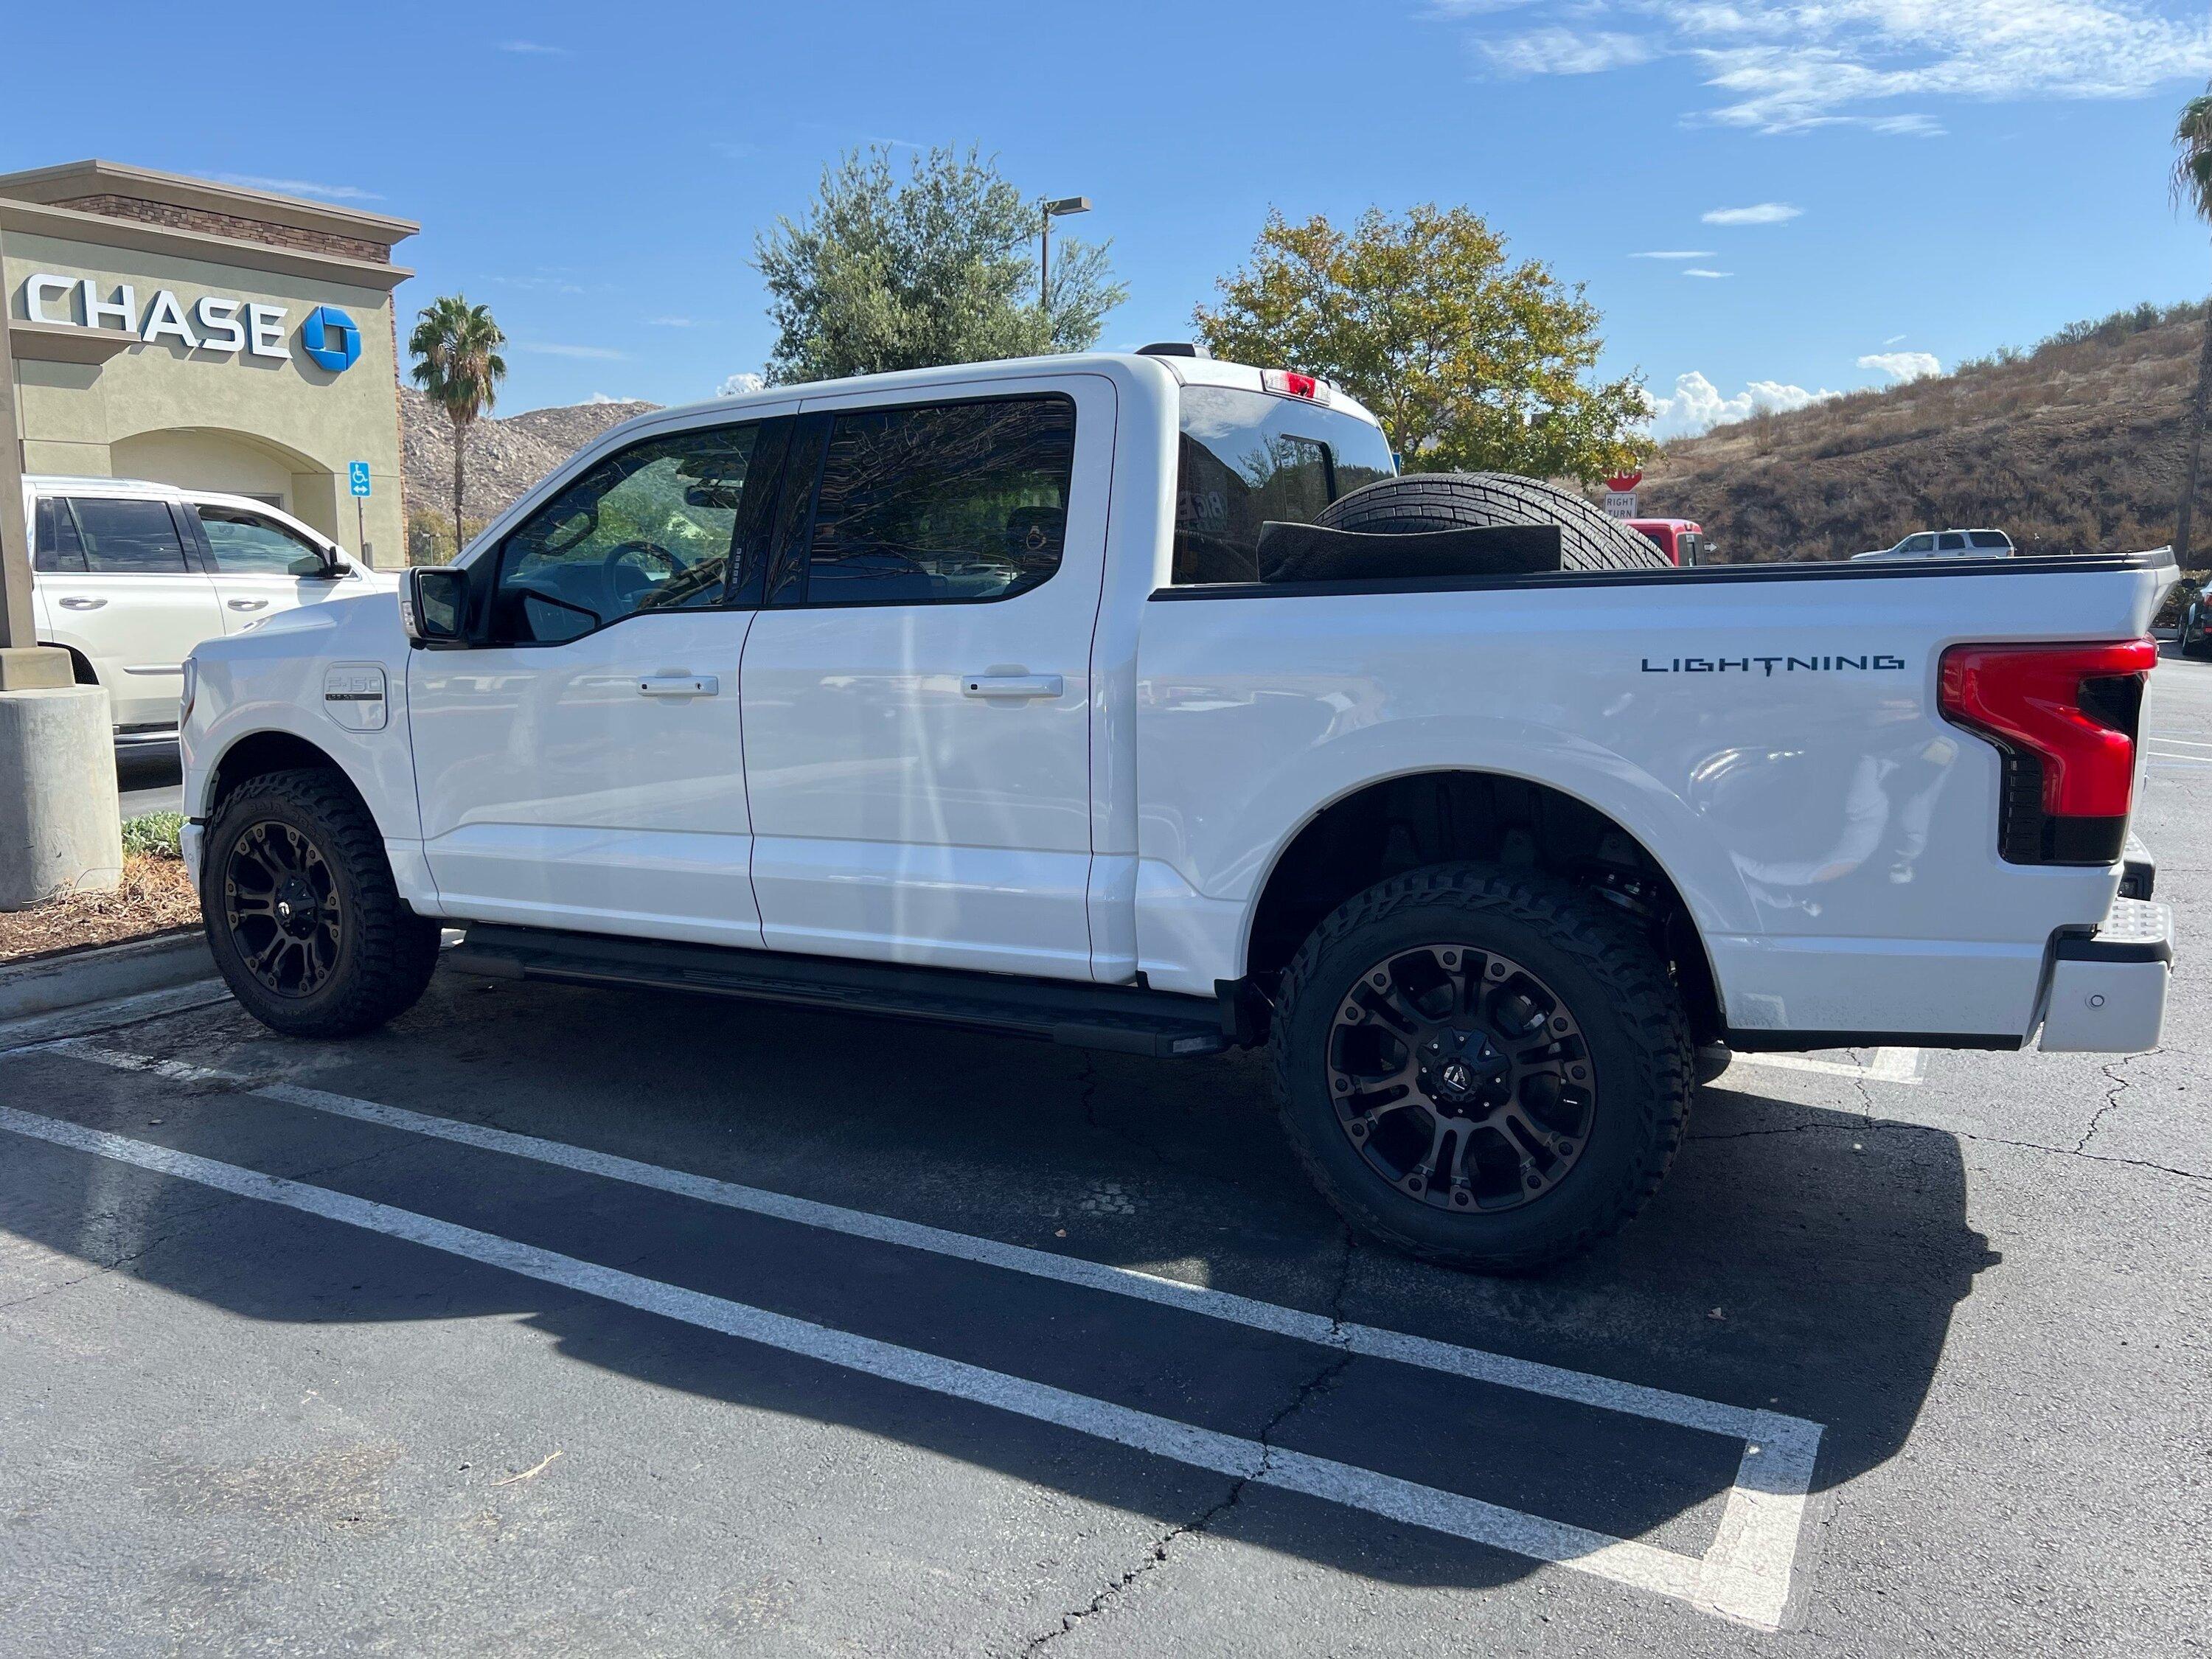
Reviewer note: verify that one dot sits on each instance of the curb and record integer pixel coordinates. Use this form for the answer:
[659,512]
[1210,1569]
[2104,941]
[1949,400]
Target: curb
[106,973]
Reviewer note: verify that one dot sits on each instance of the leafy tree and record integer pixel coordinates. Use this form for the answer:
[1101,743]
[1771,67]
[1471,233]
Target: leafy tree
[1471,363]
[459,369]
[2191,181]
[941,268]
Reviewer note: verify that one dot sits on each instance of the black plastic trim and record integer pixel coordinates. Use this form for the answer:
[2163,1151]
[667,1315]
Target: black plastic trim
[2091,947]
[2138,878]
[1120,1018]
[1778,1043]
[1703,574]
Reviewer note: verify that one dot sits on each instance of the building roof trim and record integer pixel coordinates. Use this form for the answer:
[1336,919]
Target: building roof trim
[68,224]
[93,177]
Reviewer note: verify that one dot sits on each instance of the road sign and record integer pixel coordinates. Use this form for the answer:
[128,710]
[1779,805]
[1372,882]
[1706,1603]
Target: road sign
[1621,503]
[357,476]
[1625,483]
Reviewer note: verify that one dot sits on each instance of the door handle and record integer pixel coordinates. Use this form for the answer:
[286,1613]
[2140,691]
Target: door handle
[249,605]
[79,603]
[1011,685]
[679,685]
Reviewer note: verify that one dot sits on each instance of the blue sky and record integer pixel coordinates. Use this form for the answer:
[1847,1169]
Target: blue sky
[1937,177]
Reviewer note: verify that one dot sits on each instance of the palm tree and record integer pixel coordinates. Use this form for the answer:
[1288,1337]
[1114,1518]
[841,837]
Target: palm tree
[2192,187]
[459,369]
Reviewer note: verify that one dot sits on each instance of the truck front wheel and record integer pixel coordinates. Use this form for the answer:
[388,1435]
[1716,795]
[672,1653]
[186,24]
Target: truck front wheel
[1485,1068]
[301,912]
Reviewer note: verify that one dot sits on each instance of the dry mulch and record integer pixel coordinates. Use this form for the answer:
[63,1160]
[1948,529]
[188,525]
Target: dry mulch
[154,897]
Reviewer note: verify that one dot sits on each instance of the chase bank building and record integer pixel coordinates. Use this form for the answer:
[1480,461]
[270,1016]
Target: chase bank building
[207,335]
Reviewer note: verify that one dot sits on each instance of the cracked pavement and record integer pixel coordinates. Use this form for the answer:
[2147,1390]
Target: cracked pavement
[231,1428]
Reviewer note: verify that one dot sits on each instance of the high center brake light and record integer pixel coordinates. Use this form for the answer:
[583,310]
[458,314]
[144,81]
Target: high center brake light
[1289,383]
[2064,717]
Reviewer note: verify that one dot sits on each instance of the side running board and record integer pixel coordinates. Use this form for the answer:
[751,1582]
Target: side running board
[1120,1018]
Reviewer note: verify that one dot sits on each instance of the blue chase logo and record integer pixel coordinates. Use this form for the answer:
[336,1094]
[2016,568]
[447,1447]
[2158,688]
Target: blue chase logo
[331,338]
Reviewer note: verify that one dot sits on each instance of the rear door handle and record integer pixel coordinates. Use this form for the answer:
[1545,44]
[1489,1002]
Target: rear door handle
[679,685]
[1011,685]
[83,604]
[249,605]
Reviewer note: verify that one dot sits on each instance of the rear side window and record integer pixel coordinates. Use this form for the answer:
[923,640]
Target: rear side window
[121,537]
[1248,457]
[942,503]
[1987,538]
[1950,542]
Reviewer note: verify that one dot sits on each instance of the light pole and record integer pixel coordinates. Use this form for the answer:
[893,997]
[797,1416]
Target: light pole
[1054,209]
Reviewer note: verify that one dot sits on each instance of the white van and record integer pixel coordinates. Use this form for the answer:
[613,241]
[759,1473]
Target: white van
[129,576]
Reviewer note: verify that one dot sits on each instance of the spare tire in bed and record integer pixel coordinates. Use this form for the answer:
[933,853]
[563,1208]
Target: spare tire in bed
[1418,501]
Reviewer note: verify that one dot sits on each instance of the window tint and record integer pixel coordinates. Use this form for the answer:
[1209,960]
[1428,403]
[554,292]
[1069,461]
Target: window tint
[247,544]
[946,503]
[649,528]
[127,538]
[1248,457]
[1987,538]
[57,547]
[1950,542]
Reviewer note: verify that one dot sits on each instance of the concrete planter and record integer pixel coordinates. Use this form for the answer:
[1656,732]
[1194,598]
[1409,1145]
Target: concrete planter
[104,973]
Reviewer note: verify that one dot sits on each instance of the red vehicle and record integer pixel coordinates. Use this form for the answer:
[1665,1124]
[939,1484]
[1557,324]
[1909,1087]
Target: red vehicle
[1679,539]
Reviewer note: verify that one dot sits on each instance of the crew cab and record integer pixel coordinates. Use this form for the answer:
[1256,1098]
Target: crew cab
[1051,697]
[128,577]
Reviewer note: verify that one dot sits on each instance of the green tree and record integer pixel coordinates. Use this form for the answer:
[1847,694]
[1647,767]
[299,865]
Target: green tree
[1471,363]
[941,268]
[456,346]
[2191,181]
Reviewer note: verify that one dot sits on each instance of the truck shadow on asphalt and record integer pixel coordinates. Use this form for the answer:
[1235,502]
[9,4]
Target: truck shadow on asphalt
[1800,1259]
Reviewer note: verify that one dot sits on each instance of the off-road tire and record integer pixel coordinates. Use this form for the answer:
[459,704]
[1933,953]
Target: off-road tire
[1603,971]
[386,953]
[1418,501]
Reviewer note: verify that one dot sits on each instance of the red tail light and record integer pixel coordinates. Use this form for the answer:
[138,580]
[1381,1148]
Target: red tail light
[1289,383]
[2064,718]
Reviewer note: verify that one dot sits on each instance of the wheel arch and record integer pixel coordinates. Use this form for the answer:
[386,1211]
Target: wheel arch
[1384,826]
[256,754]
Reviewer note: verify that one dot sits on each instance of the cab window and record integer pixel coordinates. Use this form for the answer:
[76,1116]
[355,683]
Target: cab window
[248,544]
[942,503]
[1246,457]
[648,528]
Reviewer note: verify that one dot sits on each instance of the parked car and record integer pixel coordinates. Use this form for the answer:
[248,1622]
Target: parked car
[1681,540]
[129,576]
[2194,638]
[1947,544]
[979,695]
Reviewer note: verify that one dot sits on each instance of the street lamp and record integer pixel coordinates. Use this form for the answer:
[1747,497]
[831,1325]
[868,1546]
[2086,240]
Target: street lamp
[1054,209]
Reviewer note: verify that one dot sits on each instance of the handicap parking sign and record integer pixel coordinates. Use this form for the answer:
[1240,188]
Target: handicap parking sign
[357,476]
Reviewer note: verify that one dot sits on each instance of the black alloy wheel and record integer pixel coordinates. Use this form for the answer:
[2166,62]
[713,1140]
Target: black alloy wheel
[282,905]
[1460,1078]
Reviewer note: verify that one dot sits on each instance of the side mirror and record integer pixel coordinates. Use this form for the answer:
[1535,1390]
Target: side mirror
[433,604]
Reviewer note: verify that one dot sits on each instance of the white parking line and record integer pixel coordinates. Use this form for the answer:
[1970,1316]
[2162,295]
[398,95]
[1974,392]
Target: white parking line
[1745,1573]
[1906,1065]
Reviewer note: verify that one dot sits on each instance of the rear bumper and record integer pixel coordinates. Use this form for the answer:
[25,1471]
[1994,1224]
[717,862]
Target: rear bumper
[2108,988]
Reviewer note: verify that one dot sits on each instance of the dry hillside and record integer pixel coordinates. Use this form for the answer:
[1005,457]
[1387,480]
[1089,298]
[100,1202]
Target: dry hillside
[506,455]
[2072,447]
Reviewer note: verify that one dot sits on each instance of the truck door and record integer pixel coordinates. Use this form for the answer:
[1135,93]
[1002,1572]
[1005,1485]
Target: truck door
[118,587]
[583,767]
[917,687]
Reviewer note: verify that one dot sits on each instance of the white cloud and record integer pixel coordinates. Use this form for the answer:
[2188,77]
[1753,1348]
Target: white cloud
[1698,271]
[1760,213]
[602,397]
[1902,366]
[1789,65]
[534,49]
[741,385]
[672,322]
[1692,253]
[1563,52]
[1893,340]
[299,187]
[546,348]
[1697,405]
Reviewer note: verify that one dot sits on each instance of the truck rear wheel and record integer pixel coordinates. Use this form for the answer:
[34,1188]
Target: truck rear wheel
[301,912]
[1418,501]
[1480,1067]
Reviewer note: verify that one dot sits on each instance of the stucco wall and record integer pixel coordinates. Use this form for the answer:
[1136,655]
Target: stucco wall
[307,419]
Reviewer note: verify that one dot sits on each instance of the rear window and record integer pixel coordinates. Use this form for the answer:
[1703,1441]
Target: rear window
[1988,538]
[1248,457]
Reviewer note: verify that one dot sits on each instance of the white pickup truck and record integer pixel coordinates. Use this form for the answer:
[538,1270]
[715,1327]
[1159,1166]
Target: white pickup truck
[1131,701]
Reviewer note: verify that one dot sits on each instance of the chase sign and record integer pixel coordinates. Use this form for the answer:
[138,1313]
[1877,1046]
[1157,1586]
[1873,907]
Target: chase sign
[330,338]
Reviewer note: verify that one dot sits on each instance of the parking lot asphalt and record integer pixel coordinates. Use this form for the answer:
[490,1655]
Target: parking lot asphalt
[551,1321]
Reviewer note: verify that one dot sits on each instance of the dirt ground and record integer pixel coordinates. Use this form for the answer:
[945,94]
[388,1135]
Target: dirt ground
[155,897]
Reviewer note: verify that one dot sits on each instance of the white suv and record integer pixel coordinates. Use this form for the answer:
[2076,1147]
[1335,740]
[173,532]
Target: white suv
[1947,544]
[129,576]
